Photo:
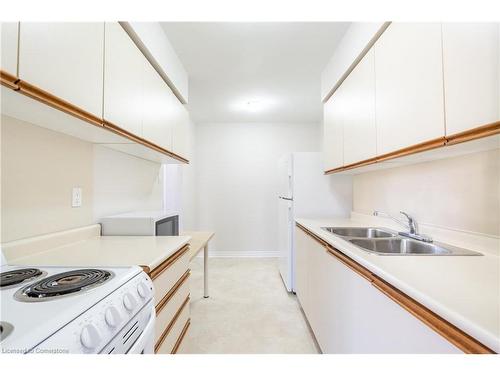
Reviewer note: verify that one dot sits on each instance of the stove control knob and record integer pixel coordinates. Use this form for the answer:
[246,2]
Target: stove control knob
[112,316]
[129,301]
[142,290]
[89,337]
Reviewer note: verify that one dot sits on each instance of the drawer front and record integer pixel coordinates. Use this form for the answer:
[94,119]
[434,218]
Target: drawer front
[176,332]
[164,281]
[167,312]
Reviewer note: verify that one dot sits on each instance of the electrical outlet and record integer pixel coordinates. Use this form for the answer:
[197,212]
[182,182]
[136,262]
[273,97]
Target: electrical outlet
[76,198]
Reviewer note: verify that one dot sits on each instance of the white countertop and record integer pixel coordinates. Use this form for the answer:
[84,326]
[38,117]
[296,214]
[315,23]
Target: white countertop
[108,251]
[464,290]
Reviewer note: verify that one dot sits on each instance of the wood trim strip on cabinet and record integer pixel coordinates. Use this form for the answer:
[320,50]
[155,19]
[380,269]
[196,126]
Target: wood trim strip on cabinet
[9,80]
[181,337]
[457,337]
[450,332]
[167,297]
[414,149]
[57,103]
[476,133]
[359,164]
[126,134]
[450,140]
[155,272]
[34,92]
[171,324]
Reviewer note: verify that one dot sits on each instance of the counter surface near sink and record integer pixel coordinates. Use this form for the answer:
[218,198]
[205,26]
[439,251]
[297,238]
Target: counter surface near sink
[464,290]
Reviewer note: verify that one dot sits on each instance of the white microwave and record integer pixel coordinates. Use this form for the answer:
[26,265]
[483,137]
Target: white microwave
[143,223]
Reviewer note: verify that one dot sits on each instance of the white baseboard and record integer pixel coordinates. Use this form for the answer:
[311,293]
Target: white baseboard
[241,254]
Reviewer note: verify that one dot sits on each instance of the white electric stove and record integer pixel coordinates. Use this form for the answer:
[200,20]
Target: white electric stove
[76,310]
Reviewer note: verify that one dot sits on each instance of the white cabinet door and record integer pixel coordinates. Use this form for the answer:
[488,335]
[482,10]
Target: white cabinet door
[65,59]
[180,135]
[349,315]
[470,61]
[124,67]
[361,319]
[333,132]
[9,44]
[409,85]
[360,134]
[158,109]
[302,242]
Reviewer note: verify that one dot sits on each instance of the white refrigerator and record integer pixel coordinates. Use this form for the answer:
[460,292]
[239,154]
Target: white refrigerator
[304,191]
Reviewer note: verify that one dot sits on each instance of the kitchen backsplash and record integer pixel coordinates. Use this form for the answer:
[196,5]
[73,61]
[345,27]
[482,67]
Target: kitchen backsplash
[458,193]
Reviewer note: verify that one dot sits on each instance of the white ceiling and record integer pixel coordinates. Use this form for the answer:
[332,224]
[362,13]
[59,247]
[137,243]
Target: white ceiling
[276,66]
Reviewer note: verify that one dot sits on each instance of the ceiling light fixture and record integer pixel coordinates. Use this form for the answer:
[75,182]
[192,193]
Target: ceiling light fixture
[253,105]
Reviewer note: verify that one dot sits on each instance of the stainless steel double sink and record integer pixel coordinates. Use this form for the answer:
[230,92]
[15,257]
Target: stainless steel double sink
[383,241]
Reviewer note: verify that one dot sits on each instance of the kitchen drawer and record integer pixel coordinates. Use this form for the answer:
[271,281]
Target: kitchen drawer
[176,332]
[166,279]
[166,313]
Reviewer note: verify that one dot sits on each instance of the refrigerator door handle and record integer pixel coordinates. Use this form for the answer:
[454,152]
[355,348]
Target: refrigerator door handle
[285,198]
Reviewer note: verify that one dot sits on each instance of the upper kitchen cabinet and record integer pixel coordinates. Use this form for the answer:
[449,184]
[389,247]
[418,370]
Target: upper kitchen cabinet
[333,130]
[158,109]
[181,130]
[124,67]
[360,138]
[64,59]
[9,43]
[471,74]
[409,86]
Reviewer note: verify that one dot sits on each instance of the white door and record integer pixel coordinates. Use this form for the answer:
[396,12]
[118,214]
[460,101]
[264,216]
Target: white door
[9,43]
[65,59]
[124,67]
[471,74]
[409,86]
[285,242]
[333,130]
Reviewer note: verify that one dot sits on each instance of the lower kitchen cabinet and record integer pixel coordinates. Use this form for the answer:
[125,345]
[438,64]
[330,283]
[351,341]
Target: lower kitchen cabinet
[171,284]
[349,315]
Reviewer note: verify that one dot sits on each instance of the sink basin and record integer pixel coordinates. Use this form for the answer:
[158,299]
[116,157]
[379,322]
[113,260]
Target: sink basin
[360,232]
[402,246]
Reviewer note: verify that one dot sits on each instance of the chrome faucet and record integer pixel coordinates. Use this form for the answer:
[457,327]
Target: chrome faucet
[410,223]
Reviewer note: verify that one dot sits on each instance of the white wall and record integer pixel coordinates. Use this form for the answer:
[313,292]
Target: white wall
[124,183]
[458,193]
[40,167]
[237,181]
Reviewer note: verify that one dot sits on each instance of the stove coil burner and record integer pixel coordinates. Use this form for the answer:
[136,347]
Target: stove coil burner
[63,284]
[15,277]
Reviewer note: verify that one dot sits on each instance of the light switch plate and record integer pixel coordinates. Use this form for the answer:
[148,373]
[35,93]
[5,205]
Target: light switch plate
[76,198]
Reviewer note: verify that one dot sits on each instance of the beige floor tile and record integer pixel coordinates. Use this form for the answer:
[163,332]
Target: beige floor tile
[249,310]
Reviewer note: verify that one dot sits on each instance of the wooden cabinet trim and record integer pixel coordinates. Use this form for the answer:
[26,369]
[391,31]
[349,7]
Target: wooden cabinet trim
[171,324]
[450,140]
[47,98]
[181,337]
[167,297]
[419,147]
[34,92]
[472,134]
[155,272]
[450,332]
[9,80]
[126,134]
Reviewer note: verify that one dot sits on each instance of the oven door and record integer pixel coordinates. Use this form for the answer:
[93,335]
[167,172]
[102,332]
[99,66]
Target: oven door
[145,343]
